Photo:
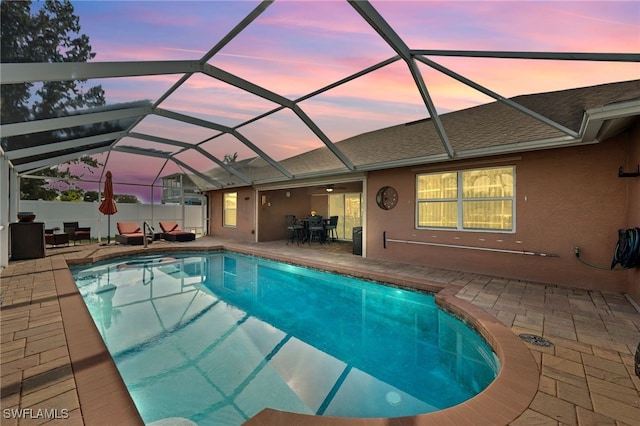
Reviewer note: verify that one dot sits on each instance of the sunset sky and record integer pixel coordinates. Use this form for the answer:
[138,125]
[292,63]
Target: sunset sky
[297,47]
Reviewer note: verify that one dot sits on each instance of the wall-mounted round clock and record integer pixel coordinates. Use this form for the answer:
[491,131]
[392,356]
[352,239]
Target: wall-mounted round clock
[387,197]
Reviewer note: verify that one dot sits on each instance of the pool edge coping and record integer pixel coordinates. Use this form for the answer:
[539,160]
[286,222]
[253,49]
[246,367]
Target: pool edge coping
[504,400]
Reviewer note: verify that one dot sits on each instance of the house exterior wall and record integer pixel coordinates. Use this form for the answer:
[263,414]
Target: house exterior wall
[245,228]
[565,198]
[272,214]
[270,223]
[633,161]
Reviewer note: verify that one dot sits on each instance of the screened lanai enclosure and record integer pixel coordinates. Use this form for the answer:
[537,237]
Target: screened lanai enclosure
[234,94]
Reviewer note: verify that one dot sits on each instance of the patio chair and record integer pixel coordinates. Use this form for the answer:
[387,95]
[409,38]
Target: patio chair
[172,232]
[316,228]
[331,228]
[129,233]
[295,230]
[76,232]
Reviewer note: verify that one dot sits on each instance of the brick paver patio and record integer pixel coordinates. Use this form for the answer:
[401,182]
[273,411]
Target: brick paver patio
[56,370]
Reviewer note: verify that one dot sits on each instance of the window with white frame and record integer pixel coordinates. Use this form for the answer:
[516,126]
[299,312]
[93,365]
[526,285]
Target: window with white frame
[478,199]
[230,212]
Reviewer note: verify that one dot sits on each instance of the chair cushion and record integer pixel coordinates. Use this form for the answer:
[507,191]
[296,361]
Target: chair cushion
[169,226]
[128,228]
[134,234]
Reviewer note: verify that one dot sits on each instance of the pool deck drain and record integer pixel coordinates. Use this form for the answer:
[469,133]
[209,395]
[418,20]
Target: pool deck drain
[536,340]
[51,359]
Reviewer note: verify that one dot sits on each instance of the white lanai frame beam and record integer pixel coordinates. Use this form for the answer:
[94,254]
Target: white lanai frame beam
[15,129]
[51,161]
[168,156]
[224,129]
[197,173]
[35,72]
[223,42]
[555,56]
[59,146]
[188,146]
[498,97]
[236,30]
[159,139]
[61,71]
[247,86]
[605,57]
[377,22]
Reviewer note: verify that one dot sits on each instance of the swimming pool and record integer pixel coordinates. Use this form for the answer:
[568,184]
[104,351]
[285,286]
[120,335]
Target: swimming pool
[242,333]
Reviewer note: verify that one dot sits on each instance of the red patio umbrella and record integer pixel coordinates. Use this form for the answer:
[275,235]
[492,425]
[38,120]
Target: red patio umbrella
[108,205]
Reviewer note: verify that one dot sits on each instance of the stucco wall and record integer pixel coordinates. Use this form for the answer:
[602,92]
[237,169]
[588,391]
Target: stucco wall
[270,224]
[272,215]
[564,198]
[245,231]
[300,202]
[633,287]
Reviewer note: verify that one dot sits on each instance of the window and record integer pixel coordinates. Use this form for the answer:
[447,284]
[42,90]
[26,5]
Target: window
[480,199]
[230,209]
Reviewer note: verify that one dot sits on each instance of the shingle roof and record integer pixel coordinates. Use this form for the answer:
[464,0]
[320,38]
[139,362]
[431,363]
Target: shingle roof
[493,125]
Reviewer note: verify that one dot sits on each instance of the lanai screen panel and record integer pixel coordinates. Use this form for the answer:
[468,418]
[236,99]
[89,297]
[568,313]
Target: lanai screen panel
[164,30]
[168,128]
[206,98]
[373,101]
[293,49]
[261,71]
[282,135]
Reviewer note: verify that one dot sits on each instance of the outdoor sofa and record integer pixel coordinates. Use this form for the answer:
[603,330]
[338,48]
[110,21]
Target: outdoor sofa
[172,232]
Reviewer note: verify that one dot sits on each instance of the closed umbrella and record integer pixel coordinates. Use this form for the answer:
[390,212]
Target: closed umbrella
[108,205]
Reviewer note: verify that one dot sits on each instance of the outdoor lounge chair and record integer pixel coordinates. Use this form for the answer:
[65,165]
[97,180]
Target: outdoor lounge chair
[129,233]
[172,232]
[76,232]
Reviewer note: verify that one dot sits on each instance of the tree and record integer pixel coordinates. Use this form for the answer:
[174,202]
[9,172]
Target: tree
[51,34]
[47,33]
[230,158]
[36,189]
[126,199]
[74,195]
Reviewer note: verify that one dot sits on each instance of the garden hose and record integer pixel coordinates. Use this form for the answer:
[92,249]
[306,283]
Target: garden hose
[627,251]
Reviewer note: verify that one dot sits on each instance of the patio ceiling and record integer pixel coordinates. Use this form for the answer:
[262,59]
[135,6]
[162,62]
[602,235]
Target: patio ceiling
[125,128]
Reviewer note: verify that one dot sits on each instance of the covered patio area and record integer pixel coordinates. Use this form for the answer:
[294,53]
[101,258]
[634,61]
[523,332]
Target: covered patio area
[54,359]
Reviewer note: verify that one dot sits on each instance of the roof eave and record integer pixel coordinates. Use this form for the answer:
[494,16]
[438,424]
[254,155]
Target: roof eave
[598,123]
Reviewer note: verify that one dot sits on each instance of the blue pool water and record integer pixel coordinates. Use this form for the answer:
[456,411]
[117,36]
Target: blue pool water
[216,337]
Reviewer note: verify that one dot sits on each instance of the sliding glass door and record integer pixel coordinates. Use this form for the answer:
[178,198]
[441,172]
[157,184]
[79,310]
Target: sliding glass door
[347,208]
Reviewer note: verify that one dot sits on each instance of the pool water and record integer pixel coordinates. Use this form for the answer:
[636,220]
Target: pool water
[216,337]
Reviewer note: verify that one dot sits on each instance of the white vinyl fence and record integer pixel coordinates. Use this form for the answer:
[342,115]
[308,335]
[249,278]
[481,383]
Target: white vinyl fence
[53,213]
